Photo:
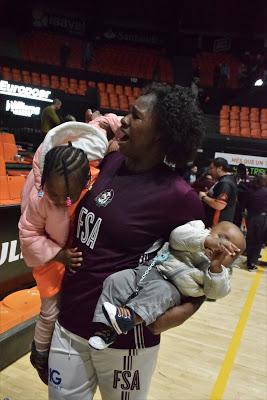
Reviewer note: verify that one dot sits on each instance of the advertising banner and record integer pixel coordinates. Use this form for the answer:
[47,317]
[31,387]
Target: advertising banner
[14,274]
[255,165]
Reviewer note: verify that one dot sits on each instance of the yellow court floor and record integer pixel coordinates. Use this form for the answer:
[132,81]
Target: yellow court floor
[220,353]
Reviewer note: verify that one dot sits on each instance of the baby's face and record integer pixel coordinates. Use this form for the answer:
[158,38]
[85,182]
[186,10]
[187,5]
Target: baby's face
[230,232]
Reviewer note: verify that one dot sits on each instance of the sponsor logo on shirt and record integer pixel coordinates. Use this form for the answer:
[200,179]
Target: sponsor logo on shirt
[88,227]
[104,198]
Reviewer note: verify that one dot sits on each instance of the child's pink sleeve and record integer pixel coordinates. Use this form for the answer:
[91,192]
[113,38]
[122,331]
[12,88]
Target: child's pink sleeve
[114,121]
[37,248]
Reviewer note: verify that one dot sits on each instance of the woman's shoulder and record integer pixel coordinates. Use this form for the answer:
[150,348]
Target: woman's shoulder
[113,158]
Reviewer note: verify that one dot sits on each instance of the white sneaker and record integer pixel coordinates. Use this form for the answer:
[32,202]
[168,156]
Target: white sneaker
[102,339]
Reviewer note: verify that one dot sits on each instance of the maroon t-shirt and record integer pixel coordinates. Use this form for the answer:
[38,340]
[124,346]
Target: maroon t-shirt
[116,222]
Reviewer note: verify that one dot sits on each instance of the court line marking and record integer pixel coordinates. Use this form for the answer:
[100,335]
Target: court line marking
[228,362]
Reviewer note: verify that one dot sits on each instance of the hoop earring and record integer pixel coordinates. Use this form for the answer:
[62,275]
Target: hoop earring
[68,202]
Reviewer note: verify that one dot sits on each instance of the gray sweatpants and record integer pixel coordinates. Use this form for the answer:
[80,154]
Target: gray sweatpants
[156,294]
[75,370]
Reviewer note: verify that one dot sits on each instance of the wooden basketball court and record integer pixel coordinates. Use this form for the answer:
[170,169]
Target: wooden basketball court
[220,353]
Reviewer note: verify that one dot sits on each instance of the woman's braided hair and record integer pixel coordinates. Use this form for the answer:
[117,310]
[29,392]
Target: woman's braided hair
[179,121]
[66,160]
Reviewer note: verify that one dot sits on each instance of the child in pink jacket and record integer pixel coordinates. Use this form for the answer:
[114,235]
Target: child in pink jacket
[59,177]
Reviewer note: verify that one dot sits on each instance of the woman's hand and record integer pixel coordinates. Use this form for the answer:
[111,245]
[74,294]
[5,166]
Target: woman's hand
[71,258]
[176,316]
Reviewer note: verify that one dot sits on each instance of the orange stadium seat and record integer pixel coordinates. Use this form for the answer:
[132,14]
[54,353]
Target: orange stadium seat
[128,91]
[244,124]
[15,186]
[235,131]
[110,88]
[234,123]
[101,86]
[255,133]
[2,166]
[7,138]
[245,131]
[224,130]
[119,89]
[4,191]
[137,91]
[10,151]
[9,318]
[91,84]
[26,302]
[244,116]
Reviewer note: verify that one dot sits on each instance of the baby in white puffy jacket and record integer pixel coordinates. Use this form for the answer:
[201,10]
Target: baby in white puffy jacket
[195,261]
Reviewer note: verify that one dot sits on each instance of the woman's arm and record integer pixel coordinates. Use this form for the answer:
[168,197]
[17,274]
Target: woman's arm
[176,316]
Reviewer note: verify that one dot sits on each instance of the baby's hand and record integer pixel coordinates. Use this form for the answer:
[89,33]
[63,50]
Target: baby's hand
[71,258]
[221,244]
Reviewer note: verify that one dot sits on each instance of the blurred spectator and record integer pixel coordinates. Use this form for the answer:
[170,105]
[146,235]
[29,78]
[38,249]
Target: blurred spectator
[69,118]
[242,76]
[87,56]
[49,116]
[256,205]
[191,175]
[265,68]
[216,75]
[195,89]
[224,75]
[255,69]
[220,200]
[65,51]
[203,183]
[242,179]
[156,71]
[196,72]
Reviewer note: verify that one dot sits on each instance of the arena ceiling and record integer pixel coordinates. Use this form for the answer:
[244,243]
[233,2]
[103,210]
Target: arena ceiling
[242,17]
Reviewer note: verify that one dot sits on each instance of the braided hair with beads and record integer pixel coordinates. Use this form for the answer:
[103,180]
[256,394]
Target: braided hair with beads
[66,161]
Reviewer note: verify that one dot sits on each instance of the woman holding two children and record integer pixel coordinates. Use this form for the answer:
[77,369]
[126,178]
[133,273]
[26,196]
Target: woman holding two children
[136,200]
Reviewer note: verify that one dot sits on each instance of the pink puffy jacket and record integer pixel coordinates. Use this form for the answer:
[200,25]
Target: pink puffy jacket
[43,227]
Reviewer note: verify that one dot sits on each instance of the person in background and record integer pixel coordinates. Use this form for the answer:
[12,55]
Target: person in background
[255,201]
[220,200]
[65,51]
[195,89]
[87,56]
[69,118]
[242,179]
[242,76]
[49,116]
[217,75]
[191,175]
[203,183]
[224,75]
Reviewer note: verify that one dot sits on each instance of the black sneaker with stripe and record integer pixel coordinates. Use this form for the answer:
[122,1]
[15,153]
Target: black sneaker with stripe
[121,318]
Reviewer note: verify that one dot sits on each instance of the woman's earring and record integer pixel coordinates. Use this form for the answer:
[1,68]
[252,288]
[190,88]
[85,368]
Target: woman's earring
[68,202]
[40,194]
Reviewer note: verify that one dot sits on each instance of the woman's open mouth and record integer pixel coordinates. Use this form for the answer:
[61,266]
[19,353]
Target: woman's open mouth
[122,136]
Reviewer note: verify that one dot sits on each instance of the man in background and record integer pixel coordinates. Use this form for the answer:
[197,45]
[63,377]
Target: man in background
[49,116]
[220,200]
